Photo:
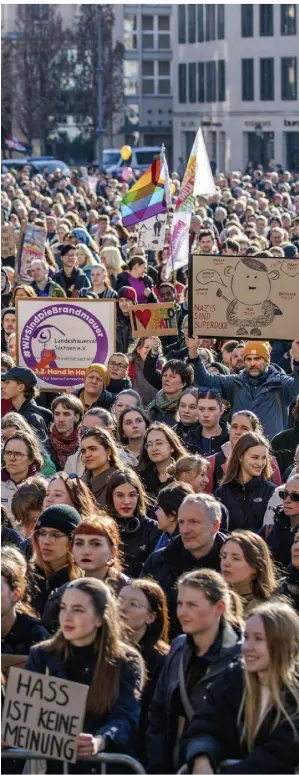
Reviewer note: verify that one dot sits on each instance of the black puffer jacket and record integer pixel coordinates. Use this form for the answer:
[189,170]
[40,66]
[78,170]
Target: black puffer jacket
[139,536]
[166,565]
[41,588]
[279,537]
[124,336]
[214,732]
[25,632]
[177,679]
[290,586]
[246,503]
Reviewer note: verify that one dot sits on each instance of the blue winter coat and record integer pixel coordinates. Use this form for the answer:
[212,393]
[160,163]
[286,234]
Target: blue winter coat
[269,398]
[118,727]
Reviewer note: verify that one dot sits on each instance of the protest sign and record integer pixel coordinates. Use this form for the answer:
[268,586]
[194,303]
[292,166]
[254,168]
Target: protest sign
[153,320]
[43,714]
[151,233]
[247,296]
[8,242]
[60,339]
[12,660]
[31,245]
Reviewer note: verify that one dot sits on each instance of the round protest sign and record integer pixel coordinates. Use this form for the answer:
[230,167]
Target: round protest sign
[59,341]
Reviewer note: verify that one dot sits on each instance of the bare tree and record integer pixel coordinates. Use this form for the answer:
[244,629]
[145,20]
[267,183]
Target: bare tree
[41,66]
[85,93]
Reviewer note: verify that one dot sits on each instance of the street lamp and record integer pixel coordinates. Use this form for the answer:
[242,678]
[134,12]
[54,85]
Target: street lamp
[100,130]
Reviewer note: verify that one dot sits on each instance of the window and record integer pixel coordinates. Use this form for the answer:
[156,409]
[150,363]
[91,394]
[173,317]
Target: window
[288,19]
[211,81]
[221,80]
[247,80]
[182,83]
[155,77]
[267,79]
[155,32]
[148,81]
[130,31]
[192,82]
[266,19]
[201,81]
[247,20]
[191,23]
[147,26]
[220,21]
[288,78]
[130,77]
[200,24]
[182,23]
[210,22]
[163,77]
[163,32]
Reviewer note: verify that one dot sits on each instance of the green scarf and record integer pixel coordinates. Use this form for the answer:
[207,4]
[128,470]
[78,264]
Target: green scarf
[163,404]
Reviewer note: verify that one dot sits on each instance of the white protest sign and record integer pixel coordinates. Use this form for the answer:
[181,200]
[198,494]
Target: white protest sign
[59,339]
[43,714]
[151,233]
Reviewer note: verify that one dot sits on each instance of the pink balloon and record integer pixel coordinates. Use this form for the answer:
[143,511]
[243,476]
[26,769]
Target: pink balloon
[126,174]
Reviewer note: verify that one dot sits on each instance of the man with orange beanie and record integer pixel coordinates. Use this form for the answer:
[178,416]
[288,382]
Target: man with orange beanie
[259,387]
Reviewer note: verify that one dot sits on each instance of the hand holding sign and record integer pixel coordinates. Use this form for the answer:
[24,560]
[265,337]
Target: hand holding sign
[295,350]
[88,745]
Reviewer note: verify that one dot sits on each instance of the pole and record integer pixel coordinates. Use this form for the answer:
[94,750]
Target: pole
[100,130]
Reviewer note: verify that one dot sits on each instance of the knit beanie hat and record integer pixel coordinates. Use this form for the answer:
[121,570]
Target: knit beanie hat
[262,349]
[61,517]
[102,370]
[126,292]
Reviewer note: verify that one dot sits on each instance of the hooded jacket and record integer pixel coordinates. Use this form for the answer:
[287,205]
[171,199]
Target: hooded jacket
[214,732]
[195,440]
[269,396]
[167,565]
[169,696]
[78,281]
[36,417]
[246,503]
[139,536]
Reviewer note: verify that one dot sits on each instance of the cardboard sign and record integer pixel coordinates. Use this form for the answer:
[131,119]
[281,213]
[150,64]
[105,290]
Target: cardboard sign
[151,233]
[43,714]
[32,245]
[12,660]
[248,296]
[60,339]
[8,242]
[153,320]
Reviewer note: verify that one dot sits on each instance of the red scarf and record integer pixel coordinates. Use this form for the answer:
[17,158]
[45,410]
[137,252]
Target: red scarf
[64,445]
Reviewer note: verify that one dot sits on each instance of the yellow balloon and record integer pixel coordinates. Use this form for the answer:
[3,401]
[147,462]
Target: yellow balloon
[126,152]
[172,189]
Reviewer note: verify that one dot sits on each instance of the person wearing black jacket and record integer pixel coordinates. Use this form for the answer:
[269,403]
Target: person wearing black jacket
[264,738]
[53,564]
[144,611]
[125,502]
[126,297]
[198,546]
[71,279]
[279,536]
[19,386]
[288,440]
[290,584]
[188,415]
[246,488]
[20,629]
[209,644]
[210,434]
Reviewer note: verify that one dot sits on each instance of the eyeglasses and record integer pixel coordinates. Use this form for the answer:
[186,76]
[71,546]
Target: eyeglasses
[41,534]
[132,605]
[10,453]
[116,365]
[294,496]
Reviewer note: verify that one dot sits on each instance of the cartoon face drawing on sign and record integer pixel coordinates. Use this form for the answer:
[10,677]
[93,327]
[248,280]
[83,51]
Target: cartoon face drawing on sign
[251,308]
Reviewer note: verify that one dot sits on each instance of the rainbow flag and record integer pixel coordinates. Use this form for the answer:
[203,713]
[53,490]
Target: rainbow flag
[149,196]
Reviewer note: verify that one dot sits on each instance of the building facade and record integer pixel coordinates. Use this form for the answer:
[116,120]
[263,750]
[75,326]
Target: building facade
[146,32]
[235,73]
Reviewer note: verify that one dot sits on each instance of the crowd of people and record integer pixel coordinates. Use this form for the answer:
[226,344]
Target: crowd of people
[150,520]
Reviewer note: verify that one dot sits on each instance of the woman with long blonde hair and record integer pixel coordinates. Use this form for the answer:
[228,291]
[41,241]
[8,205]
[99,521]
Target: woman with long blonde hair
[252,713]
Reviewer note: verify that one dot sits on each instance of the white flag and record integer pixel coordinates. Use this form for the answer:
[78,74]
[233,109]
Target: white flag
[204,184]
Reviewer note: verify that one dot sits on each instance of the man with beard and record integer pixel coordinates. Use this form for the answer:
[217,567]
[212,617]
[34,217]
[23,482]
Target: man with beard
[237,359]
[259,387]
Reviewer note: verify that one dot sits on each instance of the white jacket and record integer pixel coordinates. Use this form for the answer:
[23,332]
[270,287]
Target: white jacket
[74,464]
[8,489]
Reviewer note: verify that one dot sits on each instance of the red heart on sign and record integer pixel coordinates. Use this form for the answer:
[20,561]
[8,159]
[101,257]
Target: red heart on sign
[143,316]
